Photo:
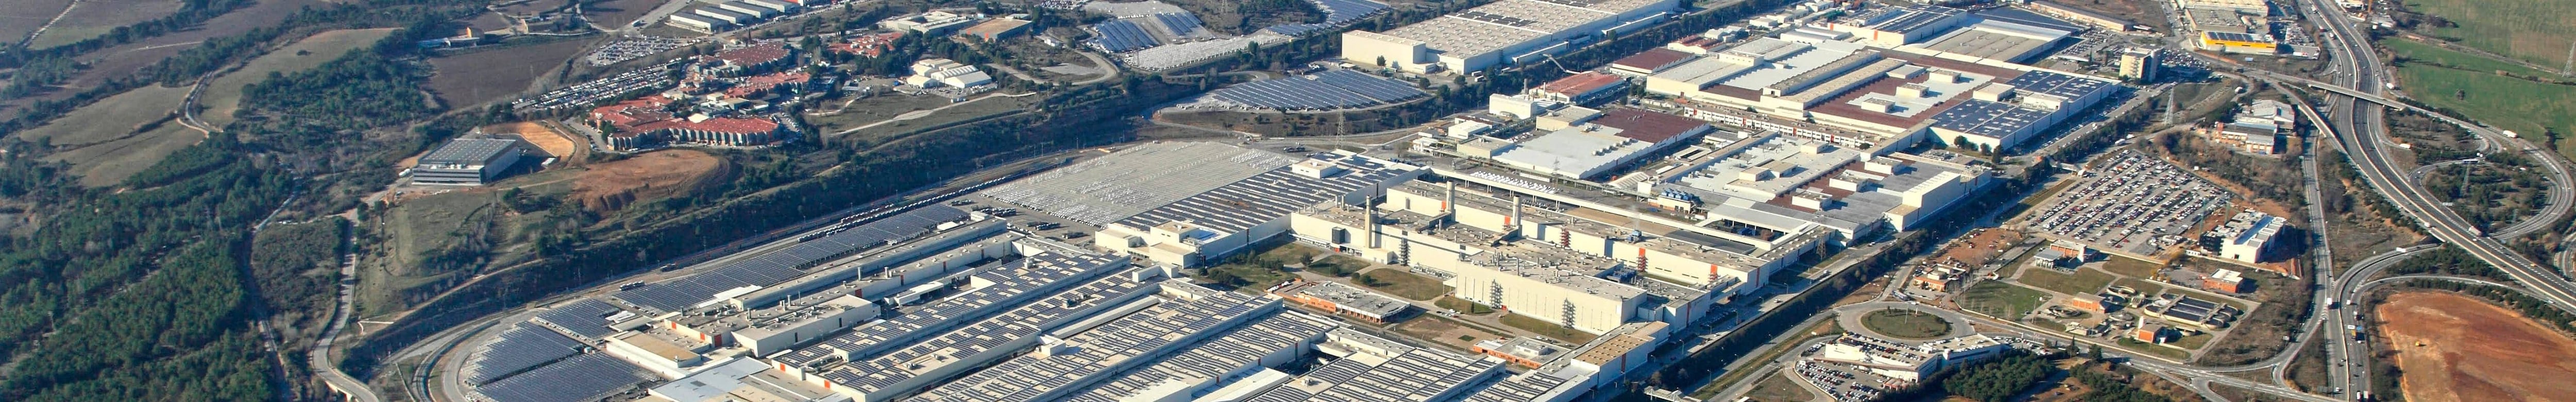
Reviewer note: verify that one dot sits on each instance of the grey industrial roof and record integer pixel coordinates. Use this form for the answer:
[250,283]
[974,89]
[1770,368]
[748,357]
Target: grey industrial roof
[788,263]
[1239,206]
[468,151]
[1912,18]
[2027,18]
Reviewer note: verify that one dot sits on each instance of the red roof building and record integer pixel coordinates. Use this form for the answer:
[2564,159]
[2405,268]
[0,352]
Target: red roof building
[1650,62]
[1587,88]
[748,59]
[1651,126]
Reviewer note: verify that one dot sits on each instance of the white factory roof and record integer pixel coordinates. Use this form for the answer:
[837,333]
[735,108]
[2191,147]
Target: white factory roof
[741,379]
[1507,22]
[1818,54]
[1575,149]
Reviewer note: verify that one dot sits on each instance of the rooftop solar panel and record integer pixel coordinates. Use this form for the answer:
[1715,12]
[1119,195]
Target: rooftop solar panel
[1117,36]
[581,378]
[520,348]
[1333,89]
[783,264]
[586,318]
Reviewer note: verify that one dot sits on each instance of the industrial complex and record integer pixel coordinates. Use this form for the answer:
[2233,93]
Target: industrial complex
[1625,209]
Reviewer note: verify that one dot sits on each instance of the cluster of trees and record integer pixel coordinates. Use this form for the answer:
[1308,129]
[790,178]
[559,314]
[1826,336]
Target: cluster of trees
[191,13]
[289,263]
[2493,195]
[2446,261]
[35,76]
[358,91]
[141,291]
[2112,388]
[2344,172]
[1998,379]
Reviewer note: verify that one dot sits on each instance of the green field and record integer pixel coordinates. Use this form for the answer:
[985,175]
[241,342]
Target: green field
[2083,281]
[2526,107]
[2132,267]
[1403,284]
[2420,52]
[109,140]
[2001,300]
[223,95]
[2534,30]
[1905,324]
[1551,330]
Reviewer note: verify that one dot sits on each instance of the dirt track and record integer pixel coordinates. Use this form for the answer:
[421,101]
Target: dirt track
[2457,348]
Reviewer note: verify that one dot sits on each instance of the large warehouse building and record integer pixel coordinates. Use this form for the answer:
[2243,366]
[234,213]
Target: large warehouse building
[1500,33]
[467,161]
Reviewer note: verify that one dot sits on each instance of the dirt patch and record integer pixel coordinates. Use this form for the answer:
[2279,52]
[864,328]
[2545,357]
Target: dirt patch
[546,139]
[484,76]
[2458,348]
[651,176]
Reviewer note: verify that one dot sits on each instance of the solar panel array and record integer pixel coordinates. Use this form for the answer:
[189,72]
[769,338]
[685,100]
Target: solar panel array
[1332,89]
[1337,14]
[581,378]
[1180,23]
[1123,342]
[1520,388]
[1216,357]
[586,318]
[1119,36]
[1019,280]
[1414,376]
[518,349]
[783,264]
[955,346]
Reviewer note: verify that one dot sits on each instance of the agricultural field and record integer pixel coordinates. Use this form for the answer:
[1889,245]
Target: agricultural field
[24,16]
[123,61]
[475,78]
[109,140]
[2458,348]
[2082,281]
[91,18]
[223,95]
[2001,300]
[2491,91]
[2535,30]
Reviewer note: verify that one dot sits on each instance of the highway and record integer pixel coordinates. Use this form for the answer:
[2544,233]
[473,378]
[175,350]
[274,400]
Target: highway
[2357,128]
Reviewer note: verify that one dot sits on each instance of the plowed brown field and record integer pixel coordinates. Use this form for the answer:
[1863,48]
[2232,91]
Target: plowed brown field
[2458,348]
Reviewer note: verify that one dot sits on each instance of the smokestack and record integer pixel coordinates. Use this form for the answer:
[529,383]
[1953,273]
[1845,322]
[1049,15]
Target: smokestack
[1372,228]
[1449,204]
[1512,225]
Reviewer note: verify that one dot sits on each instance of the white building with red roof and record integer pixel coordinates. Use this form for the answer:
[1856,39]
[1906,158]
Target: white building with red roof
[1590,87]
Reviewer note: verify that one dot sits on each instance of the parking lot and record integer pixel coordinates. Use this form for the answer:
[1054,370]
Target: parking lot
[2131,203]
[637,47]
[604,89]
[1027,220]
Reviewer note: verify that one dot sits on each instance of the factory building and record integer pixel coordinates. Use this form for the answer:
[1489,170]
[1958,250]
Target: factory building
[467,161]
[1780,184]
[2246,237]
[729,17]
[1503,32]
[740,379]
[2088,17]
[929,23]
[1910,362]
[1592,144]
[1896,26]
[2244,6]
[1545,262]
[2241,43]
[698,23]
[1223,220]
[1588,88]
